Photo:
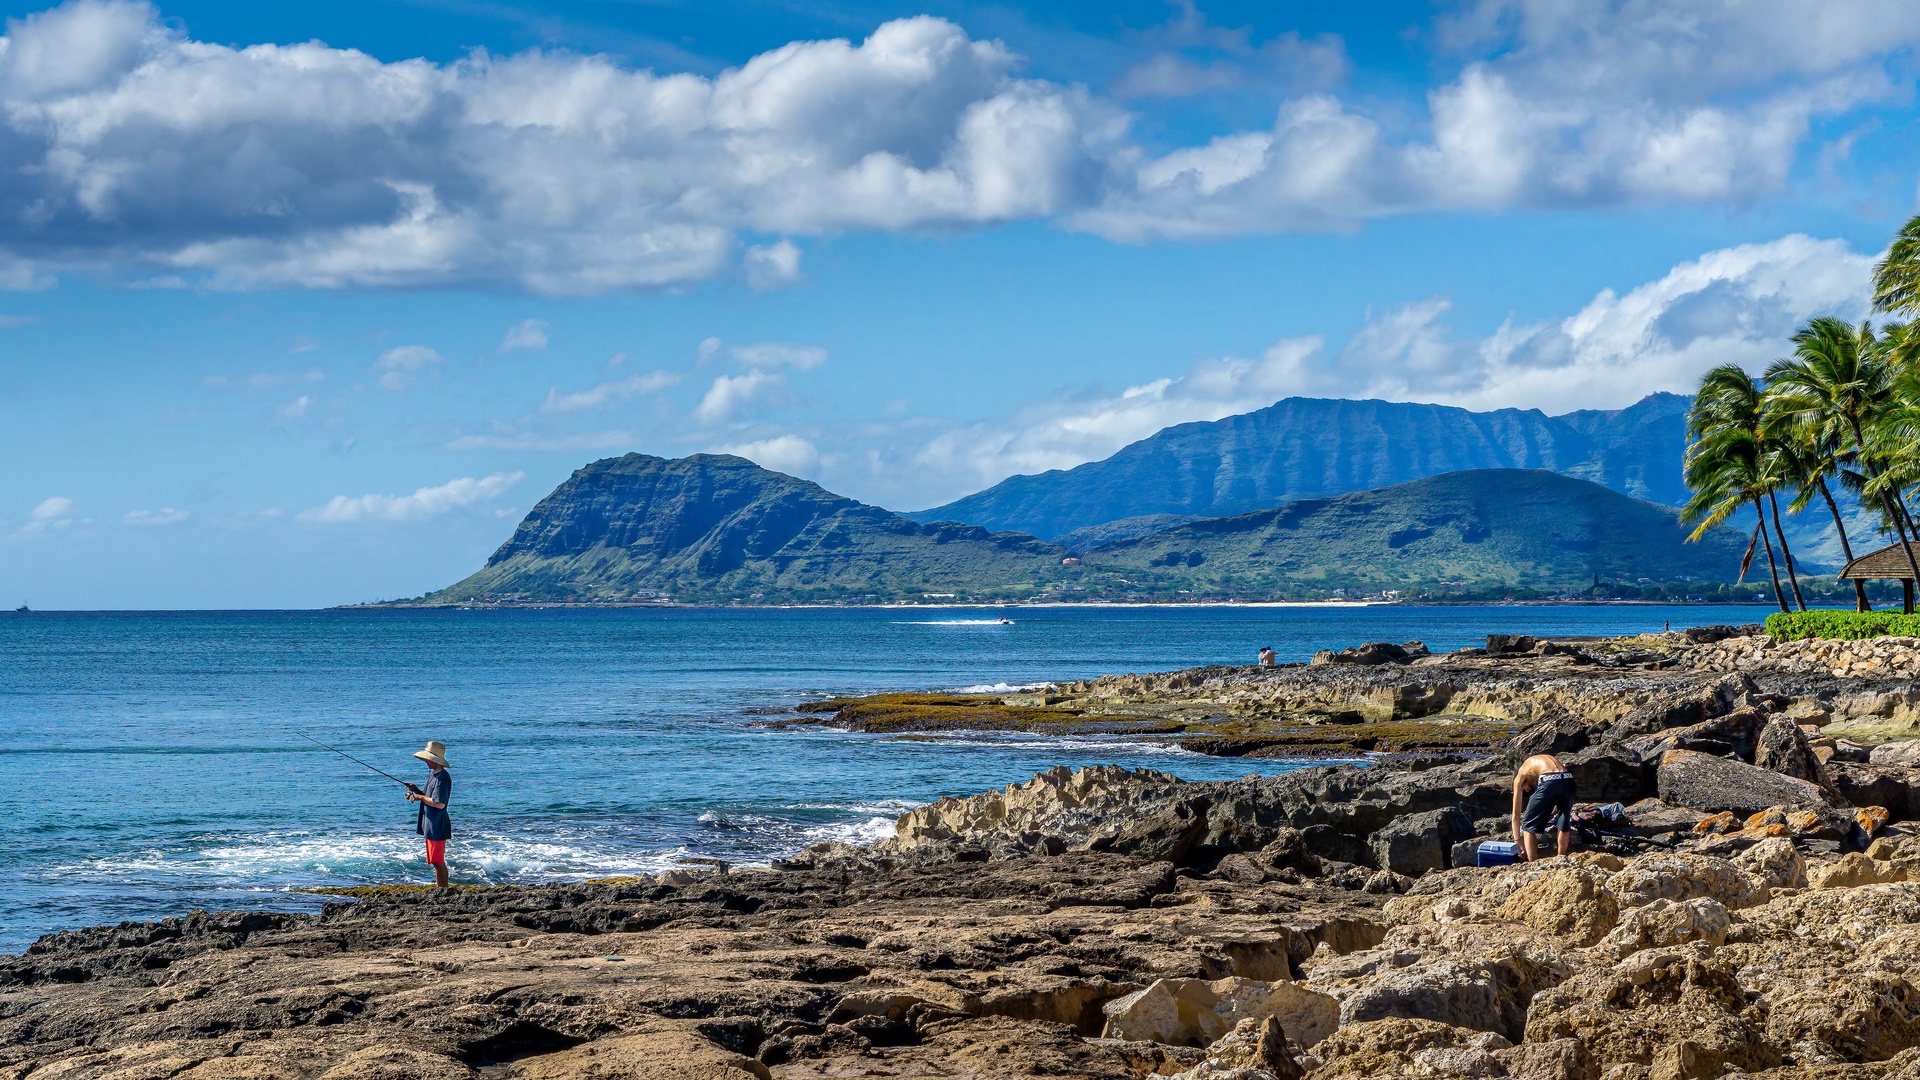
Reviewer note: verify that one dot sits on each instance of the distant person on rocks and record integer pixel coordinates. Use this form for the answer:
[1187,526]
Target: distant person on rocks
[1267,657]
[1542,797]
[434,824]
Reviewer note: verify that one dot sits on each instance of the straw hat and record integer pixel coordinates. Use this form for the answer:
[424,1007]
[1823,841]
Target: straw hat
[435,753]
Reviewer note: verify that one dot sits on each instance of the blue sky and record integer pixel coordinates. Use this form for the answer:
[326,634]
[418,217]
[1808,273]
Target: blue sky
[306,304]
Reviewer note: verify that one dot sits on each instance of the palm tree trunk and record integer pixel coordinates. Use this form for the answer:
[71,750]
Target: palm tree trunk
[1840,526]
[1894,513]
[1772,567]
[1793,577]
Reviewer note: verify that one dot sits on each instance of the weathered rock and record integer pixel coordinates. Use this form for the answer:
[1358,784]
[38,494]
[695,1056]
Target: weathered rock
[1681,876]
[1676,1012]
[1705,782]
[1902,752]
[1419,843]
[1853,871]
[1561,1059]
[1373,652]
[1775,861]
[1569,902]
[1896,787]
[1195,1012]
[1253,1050]
[1393,1048]
[1665,923]
[1782,747]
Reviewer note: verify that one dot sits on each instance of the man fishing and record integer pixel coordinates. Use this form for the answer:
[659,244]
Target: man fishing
[434,824]
[1542,798]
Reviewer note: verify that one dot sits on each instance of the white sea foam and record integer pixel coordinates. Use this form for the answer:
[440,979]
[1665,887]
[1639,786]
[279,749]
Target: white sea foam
[951,622]
[999,688]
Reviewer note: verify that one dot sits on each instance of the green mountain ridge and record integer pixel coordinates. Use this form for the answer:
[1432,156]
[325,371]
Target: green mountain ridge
[1477,531]
[1300,448]
[715,529]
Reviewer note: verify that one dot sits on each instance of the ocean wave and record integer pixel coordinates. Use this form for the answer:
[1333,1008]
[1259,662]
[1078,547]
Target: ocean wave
[999,688]
[952,622]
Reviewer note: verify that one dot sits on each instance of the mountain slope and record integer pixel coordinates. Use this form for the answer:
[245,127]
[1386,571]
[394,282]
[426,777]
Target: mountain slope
[1313,447]
[715,527]
[1478,530]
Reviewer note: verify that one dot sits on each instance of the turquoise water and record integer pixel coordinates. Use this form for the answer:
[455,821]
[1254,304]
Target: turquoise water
[149,762]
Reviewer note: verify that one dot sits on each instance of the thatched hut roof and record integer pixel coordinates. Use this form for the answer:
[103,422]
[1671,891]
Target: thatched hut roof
[1888,562]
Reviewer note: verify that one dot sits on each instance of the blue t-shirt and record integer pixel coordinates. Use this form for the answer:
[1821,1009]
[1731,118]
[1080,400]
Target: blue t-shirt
[435,824]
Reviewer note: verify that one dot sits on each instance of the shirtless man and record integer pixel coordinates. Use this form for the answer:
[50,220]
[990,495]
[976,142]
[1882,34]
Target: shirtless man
[1542,796]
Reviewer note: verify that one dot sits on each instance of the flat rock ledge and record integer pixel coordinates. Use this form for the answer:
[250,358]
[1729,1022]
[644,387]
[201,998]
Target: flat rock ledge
[1750,908]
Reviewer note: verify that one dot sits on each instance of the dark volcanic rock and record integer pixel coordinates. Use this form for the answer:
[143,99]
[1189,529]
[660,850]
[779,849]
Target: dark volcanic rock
[1704,782]
[1419,843]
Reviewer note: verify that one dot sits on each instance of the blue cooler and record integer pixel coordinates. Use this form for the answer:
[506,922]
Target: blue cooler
[1496,853]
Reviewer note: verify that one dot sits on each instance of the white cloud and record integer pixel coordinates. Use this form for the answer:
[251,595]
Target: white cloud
[776,354]
[607,393]
[401,362]
[730,393]
[54,512]
[296,408]
[423,503]
[1735,305]
[307,166]
[11,322]
[772,266]
[782,453]
[187,163]
[166,515]
[528,334]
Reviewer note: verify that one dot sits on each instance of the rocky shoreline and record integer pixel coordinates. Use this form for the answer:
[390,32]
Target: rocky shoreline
[1748,910]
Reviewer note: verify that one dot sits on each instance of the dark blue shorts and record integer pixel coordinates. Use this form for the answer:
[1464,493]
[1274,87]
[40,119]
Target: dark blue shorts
[1551,804]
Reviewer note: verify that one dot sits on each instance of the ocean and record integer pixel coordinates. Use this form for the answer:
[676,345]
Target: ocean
[151,762]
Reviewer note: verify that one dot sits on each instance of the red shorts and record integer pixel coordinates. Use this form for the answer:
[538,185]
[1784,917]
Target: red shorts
[436,852]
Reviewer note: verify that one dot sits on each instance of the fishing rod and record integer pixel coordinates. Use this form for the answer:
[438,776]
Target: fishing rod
[357,761]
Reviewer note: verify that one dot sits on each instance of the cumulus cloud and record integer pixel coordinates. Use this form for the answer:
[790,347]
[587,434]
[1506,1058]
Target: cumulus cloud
[54,512]
[1735,305]
[166,515]
[134,148]
[772,266]
[400,363]
[607,393]
[425,502]
[730,393]
[778,354]
[530,334]
[782,453]
[307,166]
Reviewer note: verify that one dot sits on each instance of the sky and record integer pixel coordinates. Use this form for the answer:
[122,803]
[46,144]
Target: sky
[304,305]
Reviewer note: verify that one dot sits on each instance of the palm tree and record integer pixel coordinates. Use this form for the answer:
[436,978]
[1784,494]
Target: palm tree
[1730,462]
[1840,382]
[1726,470]
[1896,279]
[1816,454]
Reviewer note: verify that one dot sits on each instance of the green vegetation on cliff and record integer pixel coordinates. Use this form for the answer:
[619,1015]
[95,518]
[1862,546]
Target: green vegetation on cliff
[712,528]
[1479,533]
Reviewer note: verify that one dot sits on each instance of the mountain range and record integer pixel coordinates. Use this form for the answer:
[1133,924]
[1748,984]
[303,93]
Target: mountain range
[716,528]
[1309,448]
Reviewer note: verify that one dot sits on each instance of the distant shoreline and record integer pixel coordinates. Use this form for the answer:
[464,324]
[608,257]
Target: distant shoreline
[1026,604]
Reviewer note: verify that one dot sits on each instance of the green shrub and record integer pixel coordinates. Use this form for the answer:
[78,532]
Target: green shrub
[1841,625]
